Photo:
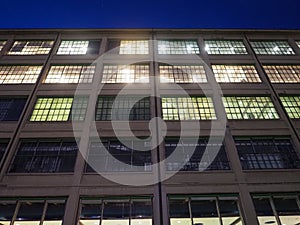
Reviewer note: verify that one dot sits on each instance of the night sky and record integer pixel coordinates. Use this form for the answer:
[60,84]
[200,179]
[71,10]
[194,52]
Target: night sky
[269,14]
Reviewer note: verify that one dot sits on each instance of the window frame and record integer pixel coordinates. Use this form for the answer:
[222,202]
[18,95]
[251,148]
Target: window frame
[178,50]
[226,42]
[77,52]
[263,48]
[31,40]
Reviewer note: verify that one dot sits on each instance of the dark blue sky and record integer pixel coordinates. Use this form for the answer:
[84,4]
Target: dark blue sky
[284,14]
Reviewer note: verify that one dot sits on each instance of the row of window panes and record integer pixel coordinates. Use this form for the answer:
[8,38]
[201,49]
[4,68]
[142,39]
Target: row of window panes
[138,108]
[214,47]
[188,154]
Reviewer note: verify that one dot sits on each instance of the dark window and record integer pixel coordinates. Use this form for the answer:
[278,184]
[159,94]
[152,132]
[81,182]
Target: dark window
[116,209]
[45,157]
[30,211]
[269,153]
[11,109]
[93,47]
[3,146]
[179,208]
[55,210]
[190,155]
[7,209]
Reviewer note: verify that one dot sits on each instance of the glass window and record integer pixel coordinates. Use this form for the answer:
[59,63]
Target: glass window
[11,109]
[7,209]
[283,73]
[175,47]
[19,74]
[112,155]
[273,208]
[267,153]
[188,108]
[225,47]
[59,109]
[78,47]
[188,210]
[31,48]
[272,48]
[182,74]
[116,211]
[291,105]
[250,107]
[45,156]
[123,108]
[236,73]
[3,145]
[55,212]
[30,212]
[191,156]
[125,74]
[134,47]
[70,74]
[2,44]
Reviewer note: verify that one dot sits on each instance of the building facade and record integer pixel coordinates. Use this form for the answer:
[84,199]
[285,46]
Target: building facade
[178,126]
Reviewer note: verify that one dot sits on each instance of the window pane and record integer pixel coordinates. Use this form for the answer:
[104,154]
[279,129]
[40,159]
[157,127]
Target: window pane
[182,74]
[188,108]
[78,47]
[19,74]
[264,211]
[134,47]
[236,74]
[179,212]
[125,74]
[291,105]
[221,47]
[30,211]
[7,209]
[288,210]
[3,146]
[205,212]
[116,213]
[11,109]
[229,211]
[175,47]
[2,44]
[31,48]
[272,48]
[283,73]
[250,107]
[70,74]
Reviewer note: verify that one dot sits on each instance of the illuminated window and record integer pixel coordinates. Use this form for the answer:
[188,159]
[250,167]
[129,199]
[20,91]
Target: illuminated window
[188,108]
[26,211]
[272,48]
[70,74]
[267,153]
[134,47]
[116,210]
[11,109]
[31,48]
[19,74]
[187,210]
[45,156]
[236,74]
[125,74]
[78,47]
[2,44]
[112,155]
[59,109]
[190,155]
[283,73]
[182,74]
[123,108]
[225,47]
[291,105]
[277,207]
[175,47]
[250,107]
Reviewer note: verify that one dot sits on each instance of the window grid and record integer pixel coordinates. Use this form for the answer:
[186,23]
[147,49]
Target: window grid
[59,109]
[188,108]
[225,47]
[267,153]
[73,48]
[70,74]
[272,48]
[122,110]
[19,74]
[236,73]
[182,74]
[2,44]
[249,107]
[112,155]
[291,105]
[11,109]
[45,156]
[283,73]
[191,156]
[175,47]
[125,74]
[134,47]
[31,48]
